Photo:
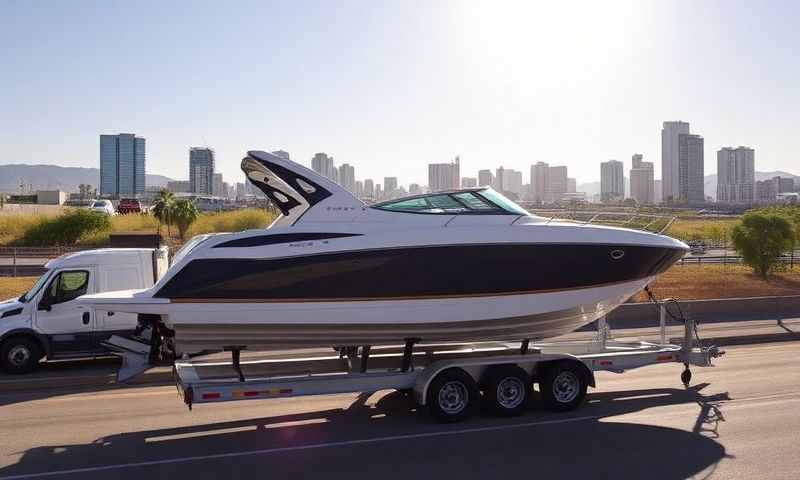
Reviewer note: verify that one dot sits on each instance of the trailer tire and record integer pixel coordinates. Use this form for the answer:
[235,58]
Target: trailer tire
[20,354]
[453,395]
[507,390]
[563,386]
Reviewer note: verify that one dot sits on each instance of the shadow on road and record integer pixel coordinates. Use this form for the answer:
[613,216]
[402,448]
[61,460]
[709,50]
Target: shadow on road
[550,445]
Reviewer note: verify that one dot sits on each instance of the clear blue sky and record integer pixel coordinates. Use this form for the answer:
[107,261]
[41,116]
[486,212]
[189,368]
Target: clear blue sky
[389,86]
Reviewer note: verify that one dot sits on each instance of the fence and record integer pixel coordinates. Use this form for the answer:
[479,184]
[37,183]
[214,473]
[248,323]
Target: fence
[790,259]
[29,261]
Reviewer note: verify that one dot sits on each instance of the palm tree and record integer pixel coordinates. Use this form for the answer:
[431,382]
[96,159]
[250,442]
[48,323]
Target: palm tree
[162,209]
[183,214]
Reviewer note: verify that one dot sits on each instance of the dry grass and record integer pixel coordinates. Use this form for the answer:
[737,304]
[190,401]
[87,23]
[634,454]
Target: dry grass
[13,226]
[234,221]
[693,229]
[14,287]
[693,282]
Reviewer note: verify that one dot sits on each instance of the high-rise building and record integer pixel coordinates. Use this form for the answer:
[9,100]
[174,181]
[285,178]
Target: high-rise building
[122,165]
[469,182]
[783,184]
[218,186]
[369,188]
[444,176]
[766,191]
[642,181]
[691,178]
[669,159]
[572,185]
[179,186]
[240,190]
[390,187]
[359,189]
[657,190]
[201,170]
[558,183]
[347,177]
[540,182]
[612,181]
[323,164]
[283,154]
[378,192]
[512,182]
[485,178]
[736,175]
[414,189]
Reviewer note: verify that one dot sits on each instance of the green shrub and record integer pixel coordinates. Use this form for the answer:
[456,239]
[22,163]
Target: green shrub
[761,238]
[65,229]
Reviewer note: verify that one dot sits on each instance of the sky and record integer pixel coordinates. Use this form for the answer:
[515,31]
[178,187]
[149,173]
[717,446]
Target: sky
[390,86]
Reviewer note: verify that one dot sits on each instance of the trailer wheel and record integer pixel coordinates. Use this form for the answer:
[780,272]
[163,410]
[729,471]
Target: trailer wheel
[20,354]
[563,386]
[452,396]
[507,390]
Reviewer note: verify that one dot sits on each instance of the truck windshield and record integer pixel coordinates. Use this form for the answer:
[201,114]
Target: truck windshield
[25,297]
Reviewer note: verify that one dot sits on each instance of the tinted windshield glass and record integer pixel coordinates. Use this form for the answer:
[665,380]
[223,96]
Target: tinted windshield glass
[99,204]
[503,202]
[188,247]
[35,288]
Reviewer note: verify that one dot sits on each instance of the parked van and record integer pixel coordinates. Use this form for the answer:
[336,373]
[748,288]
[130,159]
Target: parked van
[45,322]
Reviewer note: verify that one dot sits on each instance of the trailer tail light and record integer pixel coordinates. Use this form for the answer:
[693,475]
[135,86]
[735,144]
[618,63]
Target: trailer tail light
[664,358]
[212,396]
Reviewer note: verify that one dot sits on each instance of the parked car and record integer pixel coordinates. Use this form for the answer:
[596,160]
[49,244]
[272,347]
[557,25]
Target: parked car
[46,322]
[697,247]
[103,206]
[129,205]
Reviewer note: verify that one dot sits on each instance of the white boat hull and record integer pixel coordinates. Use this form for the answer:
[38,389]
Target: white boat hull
[265,326]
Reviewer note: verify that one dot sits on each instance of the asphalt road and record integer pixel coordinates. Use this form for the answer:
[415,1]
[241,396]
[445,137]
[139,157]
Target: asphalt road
[739,420]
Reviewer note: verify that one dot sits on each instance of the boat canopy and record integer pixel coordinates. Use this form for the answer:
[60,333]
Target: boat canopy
[469,201]
[295,190]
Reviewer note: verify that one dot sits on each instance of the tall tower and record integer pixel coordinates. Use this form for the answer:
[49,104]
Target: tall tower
[691,186]
[201,170]
[669,159]
[122,165]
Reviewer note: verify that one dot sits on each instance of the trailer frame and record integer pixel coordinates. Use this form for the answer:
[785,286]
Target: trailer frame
[414,367]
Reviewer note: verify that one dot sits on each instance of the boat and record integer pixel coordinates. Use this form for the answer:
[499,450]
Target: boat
[466,265]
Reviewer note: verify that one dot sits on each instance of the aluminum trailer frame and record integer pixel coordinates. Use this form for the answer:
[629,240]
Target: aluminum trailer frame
[380,368]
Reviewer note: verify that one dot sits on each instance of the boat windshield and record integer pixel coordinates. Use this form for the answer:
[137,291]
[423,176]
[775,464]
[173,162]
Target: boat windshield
[483,201]
[188,247]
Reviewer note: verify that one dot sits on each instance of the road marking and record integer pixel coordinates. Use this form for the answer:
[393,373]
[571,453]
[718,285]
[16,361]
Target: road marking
[268,451]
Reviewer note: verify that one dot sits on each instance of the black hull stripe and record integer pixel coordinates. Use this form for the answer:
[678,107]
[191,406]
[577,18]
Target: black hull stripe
[278,238]
[417,272]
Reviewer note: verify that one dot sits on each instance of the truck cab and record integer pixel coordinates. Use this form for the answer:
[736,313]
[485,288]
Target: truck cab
[45,321]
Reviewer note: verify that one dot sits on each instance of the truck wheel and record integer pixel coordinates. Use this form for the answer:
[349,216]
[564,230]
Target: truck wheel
[452,396]
[563,386]
[20,354]
[507,390]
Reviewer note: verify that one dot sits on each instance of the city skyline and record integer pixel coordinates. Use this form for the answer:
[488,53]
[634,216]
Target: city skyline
[436,80]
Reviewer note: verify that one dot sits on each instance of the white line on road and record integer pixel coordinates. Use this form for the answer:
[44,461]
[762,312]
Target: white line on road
[268,451]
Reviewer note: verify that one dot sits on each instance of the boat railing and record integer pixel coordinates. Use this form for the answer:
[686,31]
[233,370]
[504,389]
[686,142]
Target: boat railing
[649,222]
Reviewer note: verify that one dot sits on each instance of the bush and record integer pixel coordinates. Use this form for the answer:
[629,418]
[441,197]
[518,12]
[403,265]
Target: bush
[66,229]
[761,238]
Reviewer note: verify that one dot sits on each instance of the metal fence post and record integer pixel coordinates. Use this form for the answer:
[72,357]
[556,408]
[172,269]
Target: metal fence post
[663,323]
[14,262]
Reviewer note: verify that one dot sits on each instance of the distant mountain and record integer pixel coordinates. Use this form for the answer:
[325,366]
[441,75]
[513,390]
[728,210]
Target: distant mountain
[53,177]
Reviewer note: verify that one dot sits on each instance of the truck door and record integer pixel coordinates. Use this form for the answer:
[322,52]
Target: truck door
[70,330]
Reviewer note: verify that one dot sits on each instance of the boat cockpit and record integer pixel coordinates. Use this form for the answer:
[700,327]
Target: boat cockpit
[471,201]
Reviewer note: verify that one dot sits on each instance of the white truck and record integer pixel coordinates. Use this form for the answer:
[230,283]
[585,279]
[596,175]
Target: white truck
[45,322]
